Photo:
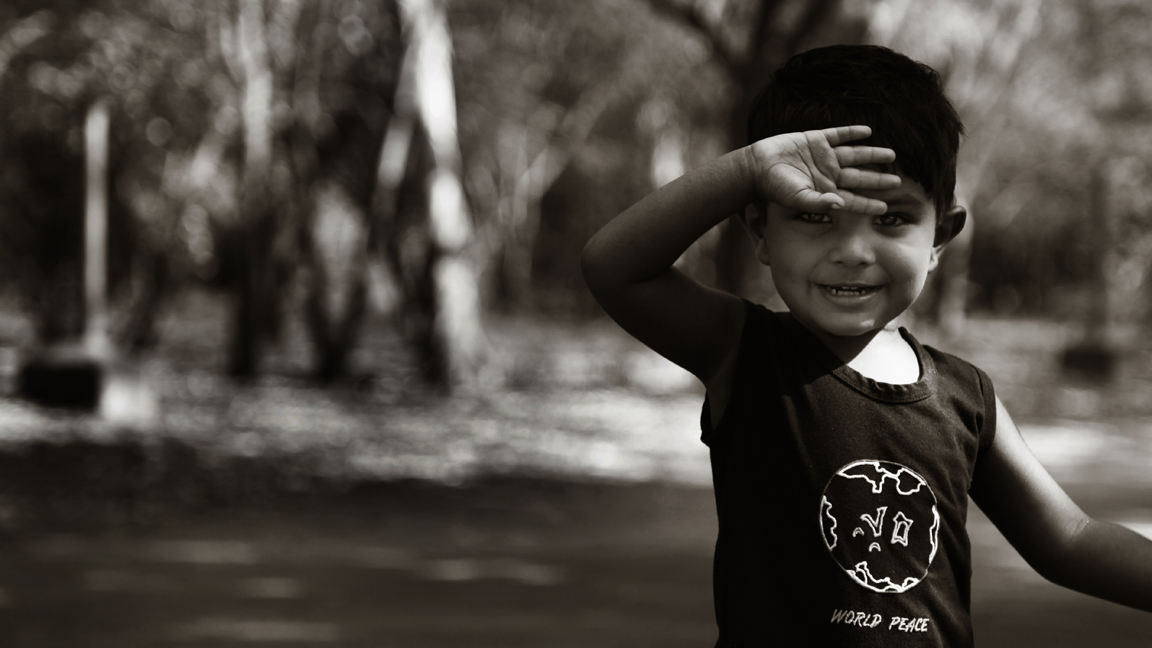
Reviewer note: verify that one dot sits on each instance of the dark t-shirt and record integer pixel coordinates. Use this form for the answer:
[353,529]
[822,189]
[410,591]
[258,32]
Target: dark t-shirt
[842,501]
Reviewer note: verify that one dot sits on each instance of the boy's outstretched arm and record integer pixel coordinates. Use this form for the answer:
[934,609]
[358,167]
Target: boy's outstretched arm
[628,264]
[1050,531]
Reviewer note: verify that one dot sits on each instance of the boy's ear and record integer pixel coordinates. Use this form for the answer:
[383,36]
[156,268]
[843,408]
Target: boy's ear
[950,225]
[755,220]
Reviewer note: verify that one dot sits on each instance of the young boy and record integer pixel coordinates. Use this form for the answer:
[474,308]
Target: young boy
[843,452]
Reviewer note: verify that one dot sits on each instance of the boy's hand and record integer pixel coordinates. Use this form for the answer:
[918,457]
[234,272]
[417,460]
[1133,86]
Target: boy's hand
[811,171]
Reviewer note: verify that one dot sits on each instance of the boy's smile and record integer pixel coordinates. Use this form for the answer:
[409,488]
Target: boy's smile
[844,274]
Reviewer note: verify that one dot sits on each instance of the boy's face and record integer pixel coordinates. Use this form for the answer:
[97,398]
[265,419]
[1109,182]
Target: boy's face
[844,274]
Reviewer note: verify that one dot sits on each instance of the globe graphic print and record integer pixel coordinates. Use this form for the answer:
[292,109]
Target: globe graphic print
[880,523]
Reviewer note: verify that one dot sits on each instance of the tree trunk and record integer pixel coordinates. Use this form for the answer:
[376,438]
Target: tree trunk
[255,287]
[1096,354]
[455,347]
[336,297]
[952,298]
[96,127]
[530,179]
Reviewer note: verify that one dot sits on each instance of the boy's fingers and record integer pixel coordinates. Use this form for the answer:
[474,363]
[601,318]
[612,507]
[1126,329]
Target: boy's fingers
[862,205]
[852,178]
[841,134]
[822,203]
[814,201]
[860,155]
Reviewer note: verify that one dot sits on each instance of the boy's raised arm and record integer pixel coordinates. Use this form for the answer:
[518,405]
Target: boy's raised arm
[628,264]
[1051,532]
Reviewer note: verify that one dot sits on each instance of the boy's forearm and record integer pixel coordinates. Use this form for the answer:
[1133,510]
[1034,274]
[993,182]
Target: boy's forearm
[1108,561]
[647,238]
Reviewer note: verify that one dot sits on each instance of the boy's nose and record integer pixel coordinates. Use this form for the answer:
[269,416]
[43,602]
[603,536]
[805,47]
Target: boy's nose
[853,249]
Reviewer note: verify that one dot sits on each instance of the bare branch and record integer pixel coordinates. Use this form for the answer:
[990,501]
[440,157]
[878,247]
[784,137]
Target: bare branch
[1005,52]
[986,87]
[537,176]
[225,39]
[252,53]
[573,131]
[393,160]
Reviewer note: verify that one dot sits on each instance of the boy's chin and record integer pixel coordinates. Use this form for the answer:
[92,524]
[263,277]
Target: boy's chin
[843,327]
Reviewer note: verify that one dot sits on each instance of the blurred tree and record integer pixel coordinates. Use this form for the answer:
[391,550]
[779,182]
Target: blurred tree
[1080,106]
[244,44]
[551,101]
[421,203]
[235,124]
[314,80]
[278,147]
[1116,232]
[346,76]
[48,90]
[543,74]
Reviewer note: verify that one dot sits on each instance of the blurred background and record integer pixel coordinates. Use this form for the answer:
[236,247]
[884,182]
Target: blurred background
[294,349]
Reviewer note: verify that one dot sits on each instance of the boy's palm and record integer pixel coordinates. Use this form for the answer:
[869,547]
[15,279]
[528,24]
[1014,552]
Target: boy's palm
[811,171]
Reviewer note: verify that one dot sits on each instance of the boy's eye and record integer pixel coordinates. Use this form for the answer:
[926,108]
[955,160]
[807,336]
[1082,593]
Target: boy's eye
[891,220]
[814,218]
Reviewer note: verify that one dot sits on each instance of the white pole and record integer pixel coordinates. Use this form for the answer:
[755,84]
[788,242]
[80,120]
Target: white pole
[96,228]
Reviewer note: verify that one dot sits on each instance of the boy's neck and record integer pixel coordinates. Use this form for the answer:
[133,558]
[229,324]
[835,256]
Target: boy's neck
[882,355]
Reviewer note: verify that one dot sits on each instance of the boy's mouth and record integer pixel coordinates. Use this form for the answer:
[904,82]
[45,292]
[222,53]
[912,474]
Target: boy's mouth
[848,290]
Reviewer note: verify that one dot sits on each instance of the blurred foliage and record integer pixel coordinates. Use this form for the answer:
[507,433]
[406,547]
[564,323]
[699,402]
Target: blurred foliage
[558,97]
[567,113]
[174,77]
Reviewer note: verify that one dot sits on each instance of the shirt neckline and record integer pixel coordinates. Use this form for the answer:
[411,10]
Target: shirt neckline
[904,393]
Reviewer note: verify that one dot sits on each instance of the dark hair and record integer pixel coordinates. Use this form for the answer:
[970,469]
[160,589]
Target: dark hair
[901,100]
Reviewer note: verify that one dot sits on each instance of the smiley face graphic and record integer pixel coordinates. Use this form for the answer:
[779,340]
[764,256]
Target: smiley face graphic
[880,522]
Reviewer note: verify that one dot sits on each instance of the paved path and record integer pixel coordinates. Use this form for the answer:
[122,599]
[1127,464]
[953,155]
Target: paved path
[510,563]
[501,563]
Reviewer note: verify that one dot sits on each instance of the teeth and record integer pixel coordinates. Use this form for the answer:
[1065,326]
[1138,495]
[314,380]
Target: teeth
[849,291]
